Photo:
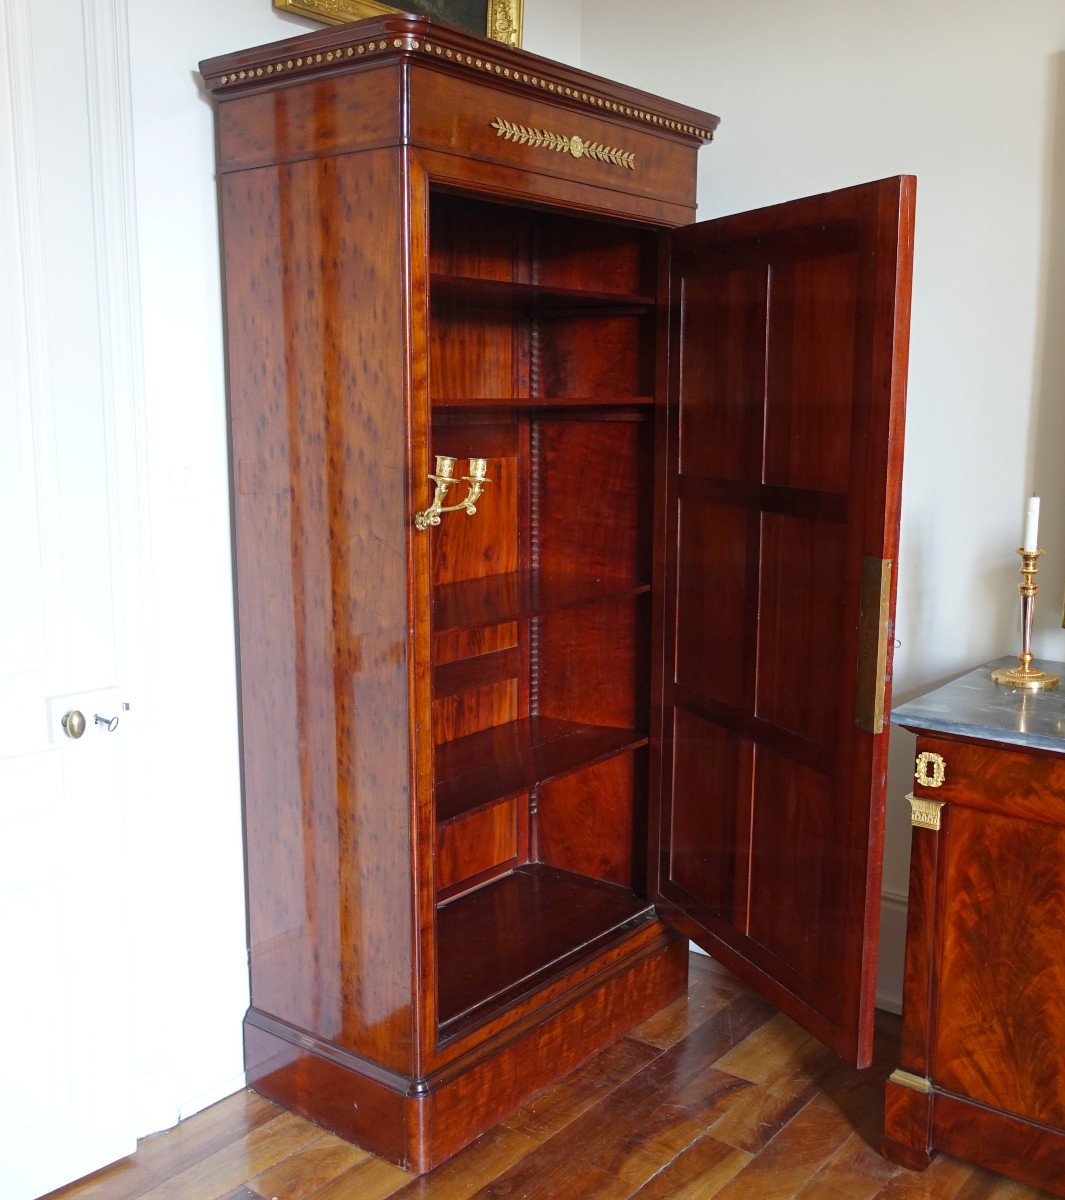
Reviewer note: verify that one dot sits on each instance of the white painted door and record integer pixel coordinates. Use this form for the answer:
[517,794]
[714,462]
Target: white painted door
[68,525]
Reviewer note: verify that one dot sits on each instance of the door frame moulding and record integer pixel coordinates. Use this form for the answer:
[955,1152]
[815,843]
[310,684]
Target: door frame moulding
[156,1096]
[105,85]
[23,243]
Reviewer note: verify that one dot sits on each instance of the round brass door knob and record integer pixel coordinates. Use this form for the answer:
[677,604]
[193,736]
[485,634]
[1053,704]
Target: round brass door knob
[74,724]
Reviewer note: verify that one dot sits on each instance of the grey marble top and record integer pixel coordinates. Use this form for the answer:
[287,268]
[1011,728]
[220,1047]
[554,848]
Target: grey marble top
[975,707]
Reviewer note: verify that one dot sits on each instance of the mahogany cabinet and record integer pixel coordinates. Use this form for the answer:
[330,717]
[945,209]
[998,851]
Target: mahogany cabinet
[497,769]
[982,1059]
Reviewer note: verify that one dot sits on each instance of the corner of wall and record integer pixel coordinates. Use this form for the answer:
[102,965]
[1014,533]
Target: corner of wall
[892,951]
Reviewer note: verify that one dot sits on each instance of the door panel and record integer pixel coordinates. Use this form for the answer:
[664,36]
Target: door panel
[809,392]
[797,883]
[66,869]
[720,426]
[712,610]
[800,598]
[705,817]
[786,362]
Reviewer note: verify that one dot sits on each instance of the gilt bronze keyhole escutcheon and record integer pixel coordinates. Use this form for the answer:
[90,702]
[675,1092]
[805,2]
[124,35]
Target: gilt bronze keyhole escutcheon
[931,769]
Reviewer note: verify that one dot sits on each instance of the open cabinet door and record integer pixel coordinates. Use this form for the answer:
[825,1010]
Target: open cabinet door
[779,505]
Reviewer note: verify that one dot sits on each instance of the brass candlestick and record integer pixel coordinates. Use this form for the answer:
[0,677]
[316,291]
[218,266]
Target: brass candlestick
[1025,675]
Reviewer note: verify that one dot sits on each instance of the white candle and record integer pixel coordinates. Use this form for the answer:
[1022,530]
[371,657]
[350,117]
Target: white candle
[1031,526]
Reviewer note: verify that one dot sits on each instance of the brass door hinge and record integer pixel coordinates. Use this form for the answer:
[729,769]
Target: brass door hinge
[873,631]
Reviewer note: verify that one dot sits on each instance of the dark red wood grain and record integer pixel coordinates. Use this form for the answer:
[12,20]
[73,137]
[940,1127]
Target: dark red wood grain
[322,594]
[480,845]
[593,664]
[499,598]
[459,676]
[458,644]
[445,731]
[594,498]
[573,252]
[454,107]
[712,614]
[1008,781]
[467,711]
[376,321]
[999,1041]
[1021,1149]
[522,304]
[984,999]
[472,238]
[601,1005]
[420,1125]
[507,759]
[594,820]
[781,472]
[601,354]
[705,855]
[479,293]
[922,950]
[908,1127]
[483,963]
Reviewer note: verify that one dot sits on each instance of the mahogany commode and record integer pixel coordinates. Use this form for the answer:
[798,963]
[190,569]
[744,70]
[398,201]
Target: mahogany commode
[497,770]
[982,1059]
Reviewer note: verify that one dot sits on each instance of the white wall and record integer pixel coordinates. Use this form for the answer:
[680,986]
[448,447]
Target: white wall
[971,99]
[554,29]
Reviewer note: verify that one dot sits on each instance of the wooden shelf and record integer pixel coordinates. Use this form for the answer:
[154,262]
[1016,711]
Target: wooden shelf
[484,966]
[491,292]
[491,601]
[480,671]
[506,760]
[611,401]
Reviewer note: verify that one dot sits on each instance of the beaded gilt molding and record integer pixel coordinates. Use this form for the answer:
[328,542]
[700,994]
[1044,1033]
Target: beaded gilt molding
[324,59]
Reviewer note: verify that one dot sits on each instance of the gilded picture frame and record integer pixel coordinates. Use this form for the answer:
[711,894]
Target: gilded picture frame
[498,19]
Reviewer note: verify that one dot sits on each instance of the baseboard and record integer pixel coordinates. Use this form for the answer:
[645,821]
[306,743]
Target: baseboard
[220,1091]
[892,951]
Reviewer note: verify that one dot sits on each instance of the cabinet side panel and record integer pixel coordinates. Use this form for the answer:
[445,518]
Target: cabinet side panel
[317,313]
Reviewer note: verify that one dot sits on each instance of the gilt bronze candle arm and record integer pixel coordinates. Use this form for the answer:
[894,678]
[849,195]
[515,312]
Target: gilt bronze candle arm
[444,479]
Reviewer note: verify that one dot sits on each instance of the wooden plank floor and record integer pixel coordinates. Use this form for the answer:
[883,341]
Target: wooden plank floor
[716,1096]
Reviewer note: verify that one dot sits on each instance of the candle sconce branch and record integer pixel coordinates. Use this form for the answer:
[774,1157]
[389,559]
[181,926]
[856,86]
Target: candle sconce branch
[444,479]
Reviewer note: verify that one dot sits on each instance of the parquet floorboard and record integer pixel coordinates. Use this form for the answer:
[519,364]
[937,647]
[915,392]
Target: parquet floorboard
[297,1176]
[471,1169]
[857,1170]
[558,1105]
[718,1095]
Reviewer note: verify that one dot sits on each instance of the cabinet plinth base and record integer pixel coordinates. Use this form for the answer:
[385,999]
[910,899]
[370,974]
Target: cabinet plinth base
[906,1156]
[918,1126]
[418,1123]
[907,1126]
